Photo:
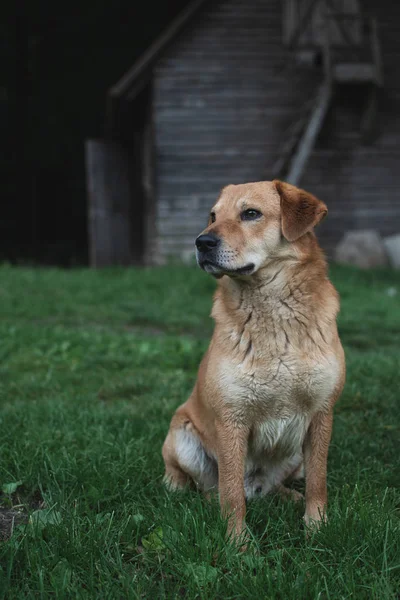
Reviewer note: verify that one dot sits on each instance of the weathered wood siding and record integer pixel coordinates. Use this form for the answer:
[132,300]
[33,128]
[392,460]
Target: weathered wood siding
[222,105]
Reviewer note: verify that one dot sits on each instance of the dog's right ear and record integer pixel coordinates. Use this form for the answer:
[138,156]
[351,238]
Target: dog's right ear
[300,210]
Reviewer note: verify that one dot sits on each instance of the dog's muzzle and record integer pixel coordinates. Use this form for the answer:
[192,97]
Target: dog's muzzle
[207,246]
[208,251]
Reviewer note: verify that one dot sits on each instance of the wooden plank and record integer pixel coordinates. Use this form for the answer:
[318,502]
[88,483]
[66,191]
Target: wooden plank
[148,156]
[100,241]
[289,19]
[306,16]
[355,73]
[376,52]
[108,191]
[310,135]
[369,122]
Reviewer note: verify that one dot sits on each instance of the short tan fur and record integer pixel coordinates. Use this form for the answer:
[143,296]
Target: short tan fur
[261,409]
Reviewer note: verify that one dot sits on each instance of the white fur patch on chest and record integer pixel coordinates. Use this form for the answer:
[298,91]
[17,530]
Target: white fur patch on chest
[280,388]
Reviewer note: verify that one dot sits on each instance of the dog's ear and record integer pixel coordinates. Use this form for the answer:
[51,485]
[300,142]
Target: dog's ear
[300,211]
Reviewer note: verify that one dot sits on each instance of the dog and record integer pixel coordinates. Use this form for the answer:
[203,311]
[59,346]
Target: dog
[261,410]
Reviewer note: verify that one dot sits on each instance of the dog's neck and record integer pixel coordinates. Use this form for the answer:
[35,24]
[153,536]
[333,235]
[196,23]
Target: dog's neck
[274,283]
[287,294]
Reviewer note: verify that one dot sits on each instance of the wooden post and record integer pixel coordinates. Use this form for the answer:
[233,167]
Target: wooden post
[376,52]
[369,120]
[109,200]
[308,8]
[310,135]
[148,181]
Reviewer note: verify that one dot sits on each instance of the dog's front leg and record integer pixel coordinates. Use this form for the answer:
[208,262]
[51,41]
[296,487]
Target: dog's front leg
[232,449]
[316,446]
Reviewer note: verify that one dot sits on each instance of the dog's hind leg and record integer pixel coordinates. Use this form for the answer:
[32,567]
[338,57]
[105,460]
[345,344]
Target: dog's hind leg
[290,493]
[174,478]
[285,492]
[187,462]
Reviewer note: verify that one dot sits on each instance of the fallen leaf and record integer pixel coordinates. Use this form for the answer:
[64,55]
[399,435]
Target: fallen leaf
[201,573]
[10,488]
[39,519]
[154,541]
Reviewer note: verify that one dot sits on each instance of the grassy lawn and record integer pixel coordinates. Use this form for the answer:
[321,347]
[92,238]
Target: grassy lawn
[93,365]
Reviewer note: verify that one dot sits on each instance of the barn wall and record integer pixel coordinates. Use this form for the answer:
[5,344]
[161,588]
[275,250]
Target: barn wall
[223,102]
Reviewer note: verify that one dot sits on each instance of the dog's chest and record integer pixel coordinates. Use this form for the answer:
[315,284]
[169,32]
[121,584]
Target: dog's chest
[277,386]
[275,362]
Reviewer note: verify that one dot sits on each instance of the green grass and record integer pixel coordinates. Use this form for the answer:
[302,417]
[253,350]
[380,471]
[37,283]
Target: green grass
[92,366]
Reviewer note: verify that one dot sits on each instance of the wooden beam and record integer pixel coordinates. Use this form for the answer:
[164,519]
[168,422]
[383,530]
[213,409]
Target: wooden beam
[147,60]
[303,20]
[108,188]
[376,51]
[310,135]
[289,147]
[369,121]
[148,185]
[358,72]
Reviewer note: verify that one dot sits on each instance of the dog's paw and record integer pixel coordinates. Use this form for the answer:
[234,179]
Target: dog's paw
[239,537]
[313,521]
[290,493]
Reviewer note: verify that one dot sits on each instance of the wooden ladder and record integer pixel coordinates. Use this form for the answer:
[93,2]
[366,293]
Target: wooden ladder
[348,63]
[296,151]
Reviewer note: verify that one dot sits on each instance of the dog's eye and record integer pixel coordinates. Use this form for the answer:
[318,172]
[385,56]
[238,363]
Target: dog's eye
[212,217]
[250,214]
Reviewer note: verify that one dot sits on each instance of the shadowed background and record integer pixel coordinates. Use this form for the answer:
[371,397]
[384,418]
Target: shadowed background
[238,93]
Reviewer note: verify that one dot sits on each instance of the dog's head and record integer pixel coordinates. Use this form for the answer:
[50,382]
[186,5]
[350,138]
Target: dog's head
[254,223]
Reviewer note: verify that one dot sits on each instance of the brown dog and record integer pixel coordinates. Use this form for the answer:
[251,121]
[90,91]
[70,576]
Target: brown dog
[264,397]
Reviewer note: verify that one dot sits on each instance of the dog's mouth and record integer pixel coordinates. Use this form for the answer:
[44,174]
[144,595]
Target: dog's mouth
[218,270]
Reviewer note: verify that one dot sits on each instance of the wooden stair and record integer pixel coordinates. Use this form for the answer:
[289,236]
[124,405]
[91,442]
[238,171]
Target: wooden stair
[357,60]
[297,149]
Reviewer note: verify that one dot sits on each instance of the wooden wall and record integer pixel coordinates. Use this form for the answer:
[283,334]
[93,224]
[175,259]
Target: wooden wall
[222,104]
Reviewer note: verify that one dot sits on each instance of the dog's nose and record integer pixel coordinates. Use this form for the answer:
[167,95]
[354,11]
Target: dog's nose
[207,241]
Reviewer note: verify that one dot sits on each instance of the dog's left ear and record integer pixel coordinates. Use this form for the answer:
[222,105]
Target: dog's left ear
[300,211]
